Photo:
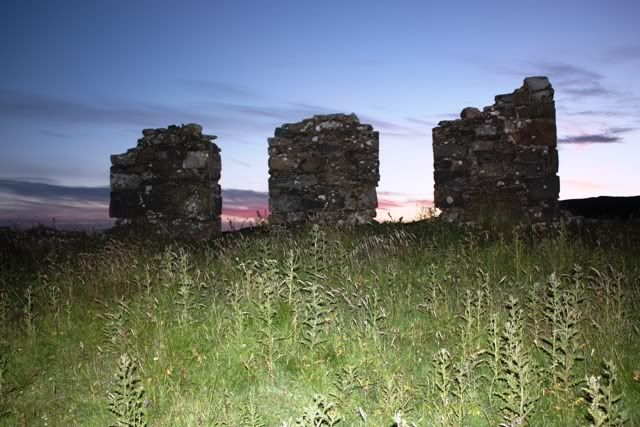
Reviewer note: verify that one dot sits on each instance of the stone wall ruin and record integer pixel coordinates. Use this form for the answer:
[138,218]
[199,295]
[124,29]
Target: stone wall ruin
[500,163]
[168,184]
[325,170]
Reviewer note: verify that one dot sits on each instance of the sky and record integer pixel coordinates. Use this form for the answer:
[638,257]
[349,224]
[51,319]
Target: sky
[79,80]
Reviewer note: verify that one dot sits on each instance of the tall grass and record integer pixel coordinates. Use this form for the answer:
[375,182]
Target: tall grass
[395,324]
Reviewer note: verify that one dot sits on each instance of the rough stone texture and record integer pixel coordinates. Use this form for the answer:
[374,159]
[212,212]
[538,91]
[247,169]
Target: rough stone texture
[500,163]
[168,184]
[324,169]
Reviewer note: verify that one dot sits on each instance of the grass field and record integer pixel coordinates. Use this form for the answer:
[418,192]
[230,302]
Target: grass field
[393,324]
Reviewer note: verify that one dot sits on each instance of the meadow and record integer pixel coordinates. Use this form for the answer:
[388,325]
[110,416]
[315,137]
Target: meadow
[392,324]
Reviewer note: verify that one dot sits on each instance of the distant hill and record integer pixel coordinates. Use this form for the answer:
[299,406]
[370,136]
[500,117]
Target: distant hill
[603,207]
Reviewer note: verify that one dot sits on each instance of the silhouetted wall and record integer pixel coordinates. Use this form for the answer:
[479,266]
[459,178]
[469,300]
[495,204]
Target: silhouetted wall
[323,169]
[168,184]
[500,163]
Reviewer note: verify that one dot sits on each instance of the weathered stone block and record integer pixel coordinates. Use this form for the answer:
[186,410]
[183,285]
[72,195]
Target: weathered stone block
[544,188]
[124,181]
[486,130]
[125,204]
[454,151]
[196,160]
[491,170]
[445,198]
[483,146]
[536,132]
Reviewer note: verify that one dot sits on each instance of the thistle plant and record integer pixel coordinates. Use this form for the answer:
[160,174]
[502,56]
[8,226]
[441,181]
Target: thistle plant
[400,421]
[267,331]
[552,313]
[5,307]
[495,354]
[443,384]
[562,345]
[185,299]
[318,251]
[346,384]
[28,311]
[321,412]
[167,262]
[464,383]
[250,416]
[436,293]
[394,395]
[608,285]
[4,389]
[237,312]
[604,406]
[115,320]
[519,377]
[318,308]
[472,320]
[189,287]
[291,279]
[54,293]
[126,399]
[533,311]
[374,312]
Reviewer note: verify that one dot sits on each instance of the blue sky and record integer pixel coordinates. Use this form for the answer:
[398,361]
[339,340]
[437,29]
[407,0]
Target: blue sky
[80,79]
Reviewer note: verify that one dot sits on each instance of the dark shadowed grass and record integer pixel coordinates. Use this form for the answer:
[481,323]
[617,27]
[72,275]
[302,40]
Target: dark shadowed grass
[420,323]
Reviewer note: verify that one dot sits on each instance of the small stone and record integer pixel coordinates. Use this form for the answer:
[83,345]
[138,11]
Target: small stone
[192,128]
[470,113]
[486,130]
[537,83]
[196,160]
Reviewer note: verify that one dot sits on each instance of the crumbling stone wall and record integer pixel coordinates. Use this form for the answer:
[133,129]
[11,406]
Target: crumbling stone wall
[500,163]
[324,169]
[168,184]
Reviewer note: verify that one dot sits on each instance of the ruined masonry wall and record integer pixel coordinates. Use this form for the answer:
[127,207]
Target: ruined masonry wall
[501,162]
[324,169]
[168,184]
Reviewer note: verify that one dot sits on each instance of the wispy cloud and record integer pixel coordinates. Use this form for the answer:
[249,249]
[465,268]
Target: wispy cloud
[396,128]
[597,138]
[609,136]
[55,134]
[43,107]
[601,113]
[623,54]
[582,184]
[241,163]
[217,88]
[422,122]
[28,201]
[48,191]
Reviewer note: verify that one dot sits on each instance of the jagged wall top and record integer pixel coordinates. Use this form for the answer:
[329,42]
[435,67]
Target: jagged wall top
[500,163]
[168,183]
[323,169]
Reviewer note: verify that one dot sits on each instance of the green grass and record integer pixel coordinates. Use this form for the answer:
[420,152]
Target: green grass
[394,324]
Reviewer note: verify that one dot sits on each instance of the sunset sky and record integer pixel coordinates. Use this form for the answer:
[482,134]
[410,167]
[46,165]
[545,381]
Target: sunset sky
[79,80]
